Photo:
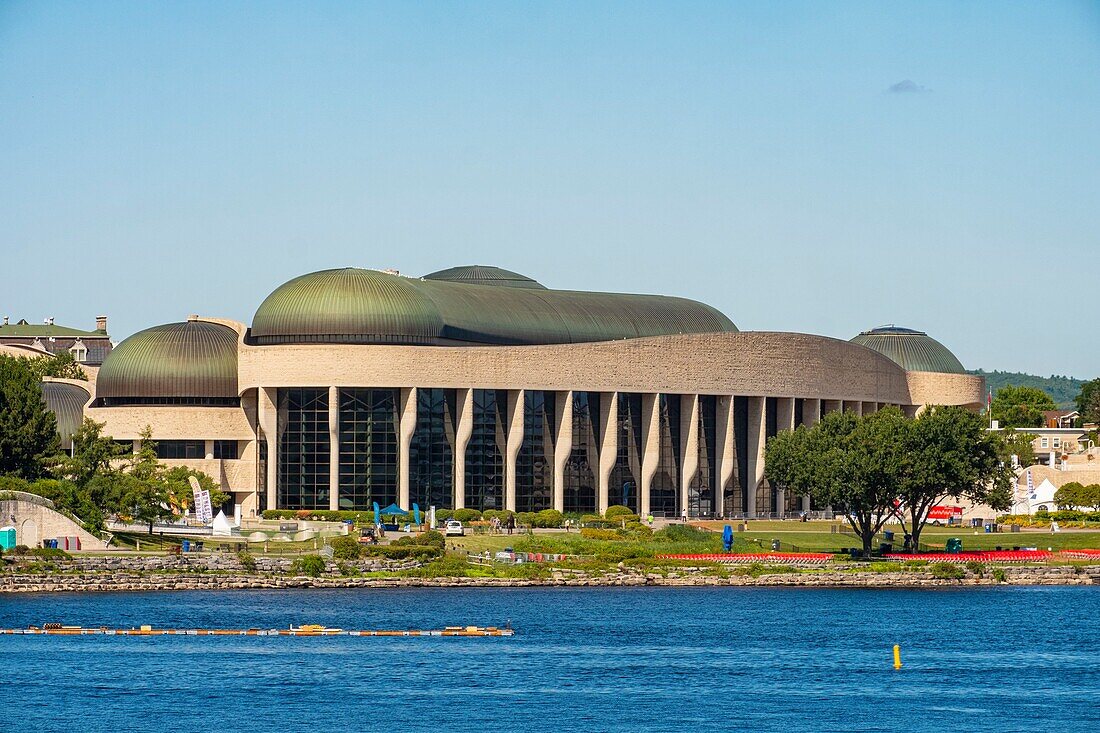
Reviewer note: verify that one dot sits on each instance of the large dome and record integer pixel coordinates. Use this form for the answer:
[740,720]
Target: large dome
[66,401]
[194,362]
[485,275]
[355,306]
[914,351]
[349,305]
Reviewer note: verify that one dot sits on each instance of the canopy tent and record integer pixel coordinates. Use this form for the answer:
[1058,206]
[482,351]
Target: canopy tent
[393,511]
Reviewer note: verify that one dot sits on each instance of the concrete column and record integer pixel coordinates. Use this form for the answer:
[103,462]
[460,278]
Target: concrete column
[563,444]
[406,427]
[726,450]
[464,406]
[609,446]
[514,440]
[267,419]
[811,412]
[689,445]
[757,438]
[333,448]
[208,449]
[784,421]
[651,444]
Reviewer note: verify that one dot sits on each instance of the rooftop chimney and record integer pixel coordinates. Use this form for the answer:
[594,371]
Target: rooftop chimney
[5,320]
[193,317]
[49,321]
[101,323]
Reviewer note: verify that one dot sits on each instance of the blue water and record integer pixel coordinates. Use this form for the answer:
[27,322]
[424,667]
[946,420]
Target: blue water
[645,659]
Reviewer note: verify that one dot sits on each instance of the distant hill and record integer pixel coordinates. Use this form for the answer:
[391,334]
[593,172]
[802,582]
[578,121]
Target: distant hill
[1061,389]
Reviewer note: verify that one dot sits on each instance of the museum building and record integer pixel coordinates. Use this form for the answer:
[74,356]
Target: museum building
[479,387]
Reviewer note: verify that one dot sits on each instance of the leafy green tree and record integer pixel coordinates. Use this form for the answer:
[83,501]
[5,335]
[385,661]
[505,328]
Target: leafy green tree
[28,430]
[1014,443]
[93,453]
[143,500]
[1020,407]
[1074,495]
[848,462]
[949,454]
[1088,402]
[62,365]
[181,493]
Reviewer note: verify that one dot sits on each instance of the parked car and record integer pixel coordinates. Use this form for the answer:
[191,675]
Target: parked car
[453,528]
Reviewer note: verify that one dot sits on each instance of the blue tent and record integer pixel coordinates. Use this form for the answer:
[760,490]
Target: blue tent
[393,511]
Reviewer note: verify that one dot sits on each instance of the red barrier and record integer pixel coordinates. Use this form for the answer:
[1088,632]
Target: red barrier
[1081,554]
[783,558]
[977,556]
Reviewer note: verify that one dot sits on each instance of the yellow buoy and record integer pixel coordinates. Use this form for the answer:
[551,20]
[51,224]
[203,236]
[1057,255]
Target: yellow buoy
[897,657]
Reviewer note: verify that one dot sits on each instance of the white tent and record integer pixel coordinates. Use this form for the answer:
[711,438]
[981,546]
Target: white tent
[222,526]
[1042,497]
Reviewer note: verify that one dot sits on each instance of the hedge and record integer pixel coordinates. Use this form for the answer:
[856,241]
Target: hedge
[320,515]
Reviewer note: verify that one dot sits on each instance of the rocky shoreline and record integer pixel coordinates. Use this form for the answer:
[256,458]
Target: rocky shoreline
[135,573]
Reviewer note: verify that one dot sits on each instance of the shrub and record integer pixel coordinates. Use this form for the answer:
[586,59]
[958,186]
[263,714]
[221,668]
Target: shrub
[947,571]
[549,518]
[50,553]
[345,548]
[525,519]
[999,575]
[347,570]
[976,567]
[501,514]
[682,533]
[311,565]
[466,515]
[755,570]
[20,550]
[618,511]
[403,552]
[442,515]
[323,515]
[592,533]
[247,561]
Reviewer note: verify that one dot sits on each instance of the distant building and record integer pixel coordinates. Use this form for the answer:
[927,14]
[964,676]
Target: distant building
[1060,418]
[88,348]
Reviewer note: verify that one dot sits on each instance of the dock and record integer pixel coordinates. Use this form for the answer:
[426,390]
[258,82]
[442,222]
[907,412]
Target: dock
[309,630]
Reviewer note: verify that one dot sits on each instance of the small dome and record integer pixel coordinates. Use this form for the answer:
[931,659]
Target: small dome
[348,305]
[485,275]
[914,351]
[177,363]
[66,401]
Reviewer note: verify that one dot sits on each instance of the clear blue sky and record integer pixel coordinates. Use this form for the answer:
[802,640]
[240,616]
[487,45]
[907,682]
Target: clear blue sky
[160,159]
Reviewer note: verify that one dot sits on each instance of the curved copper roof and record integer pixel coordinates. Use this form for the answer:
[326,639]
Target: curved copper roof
[66,401]
[485,275]
[370,307]
[914,351]
[193,359]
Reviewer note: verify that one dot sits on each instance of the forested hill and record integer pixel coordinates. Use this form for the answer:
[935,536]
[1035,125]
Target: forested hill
[1061,389]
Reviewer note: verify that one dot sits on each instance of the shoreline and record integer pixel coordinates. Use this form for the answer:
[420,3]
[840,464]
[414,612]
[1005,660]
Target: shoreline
[127,581]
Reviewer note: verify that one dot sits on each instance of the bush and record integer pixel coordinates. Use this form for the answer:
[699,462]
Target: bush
[976,567]
[247,561]
[683,533]
[345,548]
[999,575]
[501,514]
[466,515]
[618,511]
[321,515]
[549,518]
[592,533]
[311,565]
[403,552]
[50,553]
[947,571]
[525,519]
[20,550]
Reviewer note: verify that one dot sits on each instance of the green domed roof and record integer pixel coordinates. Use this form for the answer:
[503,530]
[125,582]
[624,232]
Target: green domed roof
[914,351]
[348,305]
[369,307]
[485,275]
[192,360]
[66,401]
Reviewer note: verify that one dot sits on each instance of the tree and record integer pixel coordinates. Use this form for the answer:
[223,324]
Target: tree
[28,430]
[1014,443]
[1088,402]
[62,366]
[848,462]
[1074,495]
[143,500]
[93,453]
[181,494]
[949,453]
[1020,407]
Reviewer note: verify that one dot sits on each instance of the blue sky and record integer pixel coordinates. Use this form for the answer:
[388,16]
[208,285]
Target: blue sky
[161,159]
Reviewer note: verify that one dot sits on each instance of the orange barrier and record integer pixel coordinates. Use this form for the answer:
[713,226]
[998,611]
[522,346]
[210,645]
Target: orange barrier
[782,558]
[977,556]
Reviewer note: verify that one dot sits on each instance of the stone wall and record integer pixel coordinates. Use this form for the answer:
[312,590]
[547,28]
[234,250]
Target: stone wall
[34,523]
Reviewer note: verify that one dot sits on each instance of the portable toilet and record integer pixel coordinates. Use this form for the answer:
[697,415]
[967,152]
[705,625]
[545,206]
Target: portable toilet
[7,537]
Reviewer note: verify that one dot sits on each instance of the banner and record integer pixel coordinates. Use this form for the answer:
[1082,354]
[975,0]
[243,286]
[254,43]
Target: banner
[945,512]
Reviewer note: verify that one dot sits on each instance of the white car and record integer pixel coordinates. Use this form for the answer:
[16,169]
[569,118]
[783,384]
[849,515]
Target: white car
[453,528]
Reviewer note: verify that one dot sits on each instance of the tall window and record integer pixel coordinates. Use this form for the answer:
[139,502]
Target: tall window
[368,448]
[431,453]
[664,491]
[486,450]
[623,486]
[765,492]
[226,450]
[736,496]
[535,461]
[701,491]
[583,463]
[181,449]
[303,448]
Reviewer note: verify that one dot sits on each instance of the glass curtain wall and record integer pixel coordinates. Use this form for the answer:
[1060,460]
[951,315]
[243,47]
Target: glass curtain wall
[535,461]
[580,470]
[623,485]
[486,450]
[702,490]
[431,453]
[766,495]
[368,448]
[303,448]
[738,498]
[664,491]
